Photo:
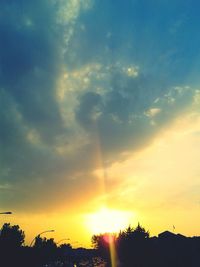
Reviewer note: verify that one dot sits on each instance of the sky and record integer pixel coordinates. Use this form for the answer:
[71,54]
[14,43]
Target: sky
[99,116]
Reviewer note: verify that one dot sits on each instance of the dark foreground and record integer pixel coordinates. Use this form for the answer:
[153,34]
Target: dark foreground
[132,247]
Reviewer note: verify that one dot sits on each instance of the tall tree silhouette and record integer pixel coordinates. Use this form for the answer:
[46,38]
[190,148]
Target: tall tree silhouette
[11,236]
[132,245]
[11,241]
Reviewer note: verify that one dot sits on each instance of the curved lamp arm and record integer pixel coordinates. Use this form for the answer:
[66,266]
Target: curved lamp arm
[47,231]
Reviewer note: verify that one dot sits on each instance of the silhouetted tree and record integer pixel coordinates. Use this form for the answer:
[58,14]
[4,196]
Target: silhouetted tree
[103,240]
[66,247]
[140,233]
[11,236]
[11,241]
[132,245]
[46,250]
[44,243]
[103,243]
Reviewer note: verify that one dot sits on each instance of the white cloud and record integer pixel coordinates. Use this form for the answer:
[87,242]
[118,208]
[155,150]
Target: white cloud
[152,112]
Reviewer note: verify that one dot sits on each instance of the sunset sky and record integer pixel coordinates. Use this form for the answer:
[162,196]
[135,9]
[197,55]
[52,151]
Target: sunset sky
[100,116]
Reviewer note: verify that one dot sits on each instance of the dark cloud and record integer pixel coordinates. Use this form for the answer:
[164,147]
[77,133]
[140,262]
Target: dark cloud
[29,66]
[141,51]
[90,105]
[122,116]
[29,62]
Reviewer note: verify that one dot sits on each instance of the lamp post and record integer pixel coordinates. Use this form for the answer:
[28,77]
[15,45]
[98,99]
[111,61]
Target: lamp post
[76,243]
[62,240]
[6,212]
[47,231]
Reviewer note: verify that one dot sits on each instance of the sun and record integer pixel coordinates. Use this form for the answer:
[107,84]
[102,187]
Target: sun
[107,220]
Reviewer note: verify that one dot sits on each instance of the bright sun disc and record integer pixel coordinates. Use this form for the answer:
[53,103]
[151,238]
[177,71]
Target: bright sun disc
[108,221]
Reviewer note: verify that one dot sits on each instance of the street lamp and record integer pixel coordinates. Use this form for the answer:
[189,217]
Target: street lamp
[76,243]
[6,212]
[62,240]
[47,231]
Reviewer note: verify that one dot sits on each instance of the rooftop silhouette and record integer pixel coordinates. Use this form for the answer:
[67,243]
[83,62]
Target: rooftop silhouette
[128,248]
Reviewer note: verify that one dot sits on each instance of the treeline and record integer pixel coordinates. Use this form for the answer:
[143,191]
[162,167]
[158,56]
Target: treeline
[134,247]
[43,252]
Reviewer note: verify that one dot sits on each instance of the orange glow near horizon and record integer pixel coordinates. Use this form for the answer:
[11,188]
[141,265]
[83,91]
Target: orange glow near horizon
[156,186]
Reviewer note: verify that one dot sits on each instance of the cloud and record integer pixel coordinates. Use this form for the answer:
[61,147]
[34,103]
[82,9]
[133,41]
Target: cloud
[81,83]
